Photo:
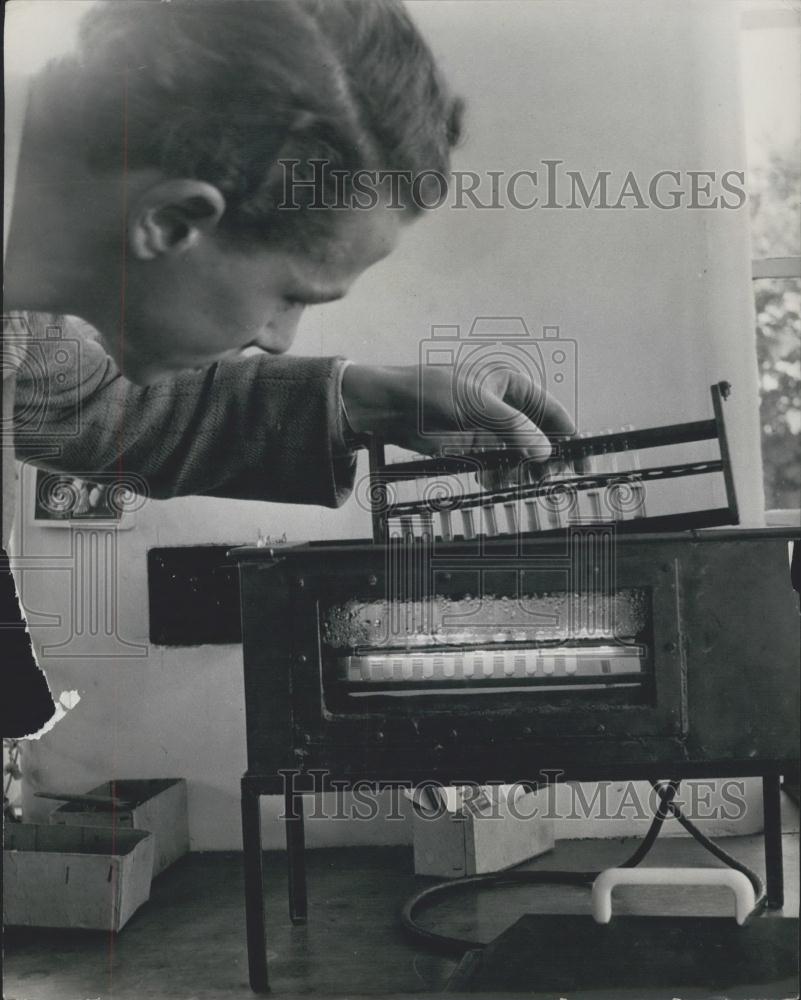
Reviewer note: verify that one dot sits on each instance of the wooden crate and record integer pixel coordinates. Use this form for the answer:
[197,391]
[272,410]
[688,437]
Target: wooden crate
[157,805]
[74,876]
[481,832]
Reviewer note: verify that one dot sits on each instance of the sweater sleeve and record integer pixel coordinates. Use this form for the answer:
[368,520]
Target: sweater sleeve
[256,428]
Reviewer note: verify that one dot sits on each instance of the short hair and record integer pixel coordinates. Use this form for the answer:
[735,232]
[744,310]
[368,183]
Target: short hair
[222,91]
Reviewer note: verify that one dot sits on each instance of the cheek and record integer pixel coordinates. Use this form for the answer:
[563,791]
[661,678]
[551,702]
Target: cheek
[280,312]
[173,313]
[224,322]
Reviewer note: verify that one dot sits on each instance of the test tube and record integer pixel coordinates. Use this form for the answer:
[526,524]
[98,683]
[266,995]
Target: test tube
[532,510]
[638,487]
[489,520]
[510,511]
[446,525]
[572,510]
[554,515]
[592,498]
[612,465]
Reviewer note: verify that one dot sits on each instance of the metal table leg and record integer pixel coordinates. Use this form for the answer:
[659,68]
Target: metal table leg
[296,854]
[254,888]
[774,869]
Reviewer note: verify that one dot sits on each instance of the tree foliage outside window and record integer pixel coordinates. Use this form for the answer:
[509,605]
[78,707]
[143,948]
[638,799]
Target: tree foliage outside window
[775,191]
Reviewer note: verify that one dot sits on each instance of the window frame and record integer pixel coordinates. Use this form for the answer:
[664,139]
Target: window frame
[779,267]
[774,14]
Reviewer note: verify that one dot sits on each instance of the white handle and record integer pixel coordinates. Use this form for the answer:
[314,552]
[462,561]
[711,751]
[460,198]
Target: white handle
[744,899]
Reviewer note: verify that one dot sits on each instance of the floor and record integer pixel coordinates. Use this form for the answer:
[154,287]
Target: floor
[187,942]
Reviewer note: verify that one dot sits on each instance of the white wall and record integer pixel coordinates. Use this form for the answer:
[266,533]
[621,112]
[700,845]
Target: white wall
[658,301]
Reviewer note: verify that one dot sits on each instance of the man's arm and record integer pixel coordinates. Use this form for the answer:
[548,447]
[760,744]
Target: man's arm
[257,428]
[260,427]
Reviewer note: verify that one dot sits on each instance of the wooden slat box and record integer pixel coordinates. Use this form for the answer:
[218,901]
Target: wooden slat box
[157,805]
[480,832]
[71,876]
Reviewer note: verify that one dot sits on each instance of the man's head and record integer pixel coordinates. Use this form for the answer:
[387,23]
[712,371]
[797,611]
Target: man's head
[176,118]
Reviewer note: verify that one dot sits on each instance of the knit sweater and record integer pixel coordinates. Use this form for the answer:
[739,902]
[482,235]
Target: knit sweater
[256,428]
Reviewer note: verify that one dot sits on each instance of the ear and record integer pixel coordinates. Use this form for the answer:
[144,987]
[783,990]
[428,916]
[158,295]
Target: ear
[172,216]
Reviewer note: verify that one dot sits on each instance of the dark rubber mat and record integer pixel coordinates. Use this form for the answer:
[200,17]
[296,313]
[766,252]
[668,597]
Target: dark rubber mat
[566,954]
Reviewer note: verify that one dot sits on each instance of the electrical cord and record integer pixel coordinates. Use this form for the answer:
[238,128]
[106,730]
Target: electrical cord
[456,946]
[714,849]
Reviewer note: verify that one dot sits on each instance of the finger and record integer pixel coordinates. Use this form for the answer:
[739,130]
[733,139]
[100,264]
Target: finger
[544,410]
[539,405]
[513,430]
[81,505]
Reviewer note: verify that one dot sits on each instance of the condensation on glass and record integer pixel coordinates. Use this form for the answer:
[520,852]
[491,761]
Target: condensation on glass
[541,642]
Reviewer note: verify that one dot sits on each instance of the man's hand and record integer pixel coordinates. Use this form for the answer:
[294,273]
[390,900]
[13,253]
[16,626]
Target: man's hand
[501,408]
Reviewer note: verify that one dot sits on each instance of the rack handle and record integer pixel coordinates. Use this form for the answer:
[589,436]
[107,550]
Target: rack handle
[744,899]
